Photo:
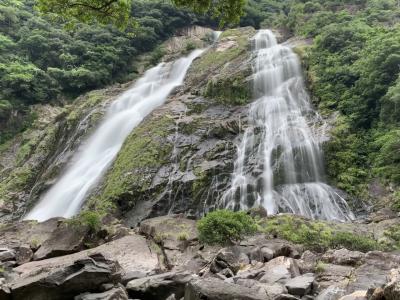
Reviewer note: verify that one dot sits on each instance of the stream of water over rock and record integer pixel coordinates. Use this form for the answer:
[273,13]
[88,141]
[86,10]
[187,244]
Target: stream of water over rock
[67,195]
[280,161]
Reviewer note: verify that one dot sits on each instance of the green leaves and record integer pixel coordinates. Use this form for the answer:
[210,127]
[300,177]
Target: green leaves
[115,12]
[225,227]
[226,11]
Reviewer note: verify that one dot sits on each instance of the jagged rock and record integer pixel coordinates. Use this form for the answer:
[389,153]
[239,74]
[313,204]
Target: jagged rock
[131,252]
[114,294]
[333,275]
[131,275]
[23,254]
[286,297]
[266,254]
[374,271]
[280,269]
[231,257]
[277,246]
[376,294]
[308,262]
[5,292]
[159,287]
[227,273]
[300,285]
[27,233]
[392,290]
[357,295]
[65,239]
[7,254]
[261,254]
[67,281]
[332,292]
[272,290]
[344,257]
[174,232]
[220,290]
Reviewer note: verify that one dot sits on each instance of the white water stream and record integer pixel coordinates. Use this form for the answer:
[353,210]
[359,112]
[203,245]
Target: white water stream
[67,195]
[280,163]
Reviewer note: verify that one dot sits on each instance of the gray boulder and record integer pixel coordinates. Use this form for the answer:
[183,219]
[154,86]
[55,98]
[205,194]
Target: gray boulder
[300,285]
[344,257]
[279,270]
[231,257]
[65,239]
[392,290]
[66,282]
[214,289]
[23,254]
[117,293]
[6,254]
[159,287]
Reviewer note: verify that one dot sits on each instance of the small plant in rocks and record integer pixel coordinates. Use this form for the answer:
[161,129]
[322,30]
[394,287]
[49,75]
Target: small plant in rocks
[225,227]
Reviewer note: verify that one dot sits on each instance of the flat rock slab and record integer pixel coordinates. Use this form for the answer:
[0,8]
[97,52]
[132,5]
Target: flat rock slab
[65,283]
[131,252]
[173,231]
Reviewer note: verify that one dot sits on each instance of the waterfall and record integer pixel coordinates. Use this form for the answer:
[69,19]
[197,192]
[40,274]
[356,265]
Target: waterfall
[280,163]
[89,163]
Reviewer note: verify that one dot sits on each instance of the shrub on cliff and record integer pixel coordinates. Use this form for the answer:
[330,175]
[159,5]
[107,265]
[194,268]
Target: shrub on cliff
[225,227]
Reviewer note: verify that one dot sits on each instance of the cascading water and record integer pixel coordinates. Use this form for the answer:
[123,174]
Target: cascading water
[280,163]
[93,157]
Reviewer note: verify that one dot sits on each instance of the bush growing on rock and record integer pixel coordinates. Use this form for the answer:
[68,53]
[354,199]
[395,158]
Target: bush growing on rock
[91,219]
[225,227]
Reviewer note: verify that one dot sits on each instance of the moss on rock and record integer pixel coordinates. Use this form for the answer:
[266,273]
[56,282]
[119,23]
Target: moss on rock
[144,151]
[222,72]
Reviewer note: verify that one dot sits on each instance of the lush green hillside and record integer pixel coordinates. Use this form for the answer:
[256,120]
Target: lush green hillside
[41,61]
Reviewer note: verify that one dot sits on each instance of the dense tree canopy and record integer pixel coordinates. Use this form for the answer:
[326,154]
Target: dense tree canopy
[117,12]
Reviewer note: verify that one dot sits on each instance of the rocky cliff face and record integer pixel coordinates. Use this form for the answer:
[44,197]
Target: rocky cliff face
[30,163]
[180,158]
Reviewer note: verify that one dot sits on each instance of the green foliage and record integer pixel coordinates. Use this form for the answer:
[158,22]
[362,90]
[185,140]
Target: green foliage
[225,227]
[227,11]
[352,241]
[316,235]
[183,236]
[91,219]
[393,233]
[43,62]
[117,12]
[5,108]
[103,11]
[156,55]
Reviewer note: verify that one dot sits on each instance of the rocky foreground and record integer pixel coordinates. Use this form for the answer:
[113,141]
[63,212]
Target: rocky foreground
[163,259]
